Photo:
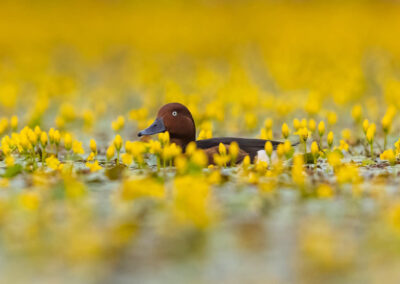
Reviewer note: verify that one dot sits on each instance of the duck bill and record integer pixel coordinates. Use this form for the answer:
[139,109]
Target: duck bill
[156,127]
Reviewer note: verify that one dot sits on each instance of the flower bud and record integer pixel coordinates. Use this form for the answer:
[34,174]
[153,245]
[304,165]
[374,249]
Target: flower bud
[296,124]
[110,152]
[314,148]
[329,138]
[321,128]
[365,125]
[68,141]
[43,139]
[14,122]
[93,146]
[356,113]
[312,125]
[57,137]
[285,131]
[118,142]
[234,151]
[268,148]
[370,133]
[386,123]
[222,149]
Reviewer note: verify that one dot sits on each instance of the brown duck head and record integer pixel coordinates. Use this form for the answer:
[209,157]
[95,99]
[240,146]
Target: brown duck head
[177,120]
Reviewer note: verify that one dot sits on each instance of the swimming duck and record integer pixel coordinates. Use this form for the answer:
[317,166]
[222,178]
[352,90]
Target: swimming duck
[178,121]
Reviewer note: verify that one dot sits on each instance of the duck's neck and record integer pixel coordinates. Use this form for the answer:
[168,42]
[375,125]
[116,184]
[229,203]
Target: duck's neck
[182,142]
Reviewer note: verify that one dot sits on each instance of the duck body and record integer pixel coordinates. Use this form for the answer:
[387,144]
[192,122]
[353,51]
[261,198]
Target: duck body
[178,121]
[247,146]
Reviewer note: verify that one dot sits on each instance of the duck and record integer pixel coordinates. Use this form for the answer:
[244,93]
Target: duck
[178,121]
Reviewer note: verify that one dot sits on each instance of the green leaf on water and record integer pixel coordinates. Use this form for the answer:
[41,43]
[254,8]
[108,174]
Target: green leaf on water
[115,173]
[13,171]
[368,162]
[308,158]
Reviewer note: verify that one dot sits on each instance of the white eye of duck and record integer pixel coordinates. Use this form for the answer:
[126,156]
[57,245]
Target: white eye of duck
[174,113]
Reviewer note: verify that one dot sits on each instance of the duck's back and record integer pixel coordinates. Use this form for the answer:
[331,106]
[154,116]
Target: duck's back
[250,146]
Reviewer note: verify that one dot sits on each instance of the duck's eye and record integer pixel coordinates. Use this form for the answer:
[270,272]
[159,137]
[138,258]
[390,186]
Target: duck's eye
[174,113]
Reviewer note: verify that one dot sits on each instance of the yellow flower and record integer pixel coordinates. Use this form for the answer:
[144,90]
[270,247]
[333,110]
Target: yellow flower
[118,124]
[234,151]
[222,149]
[163,137]
[57,137]
[268,148]
[43,139]
[296,124]
[94,167]
[29,200]
[298,175]
[118,142]
[324,191]
[9,161]
[88,118]
[280,150]
[91,156]
[5,149]
[52,162]
[37,130]
[32,137]
[136,149]
[3,124]
[60,122]
[268,123]
[68,141]
[287,147]
[127,159]
[386,123]
[303,123]
[314,148]
[138,188]
[303,134]
[93,146]
[220,160]
[199,158]
[77,147]
[204,134]
[346,134]
[334,159]
[285,131]
[266,134]
[365,125]
[25,143]
[246,162]
[155,147]
[250,120]
[181,164]
[192,202]
[332,118]
[312,125]
[329,138]
[321,128]
[110,152]
[261,167]
[348,173]
[14,122]
[389,156]
[191,148]
[371,133]
[356,113]
[171,151]
[343,146]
